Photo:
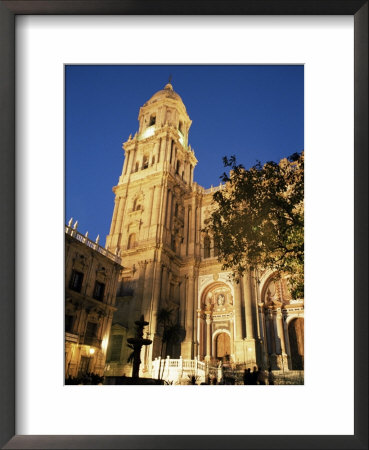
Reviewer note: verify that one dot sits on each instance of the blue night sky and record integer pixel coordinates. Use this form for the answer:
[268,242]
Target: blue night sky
[253,112]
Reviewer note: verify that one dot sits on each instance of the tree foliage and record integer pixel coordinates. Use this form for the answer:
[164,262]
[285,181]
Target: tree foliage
[258,221]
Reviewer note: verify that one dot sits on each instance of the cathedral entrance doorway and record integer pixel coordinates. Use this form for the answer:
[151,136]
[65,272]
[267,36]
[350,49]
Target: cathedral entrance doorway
[215,323]
[223,346]
[296,337]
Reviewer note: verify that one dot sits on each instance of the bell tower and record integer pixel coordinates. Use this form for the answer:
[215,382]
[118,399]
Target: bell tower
[157,158]
[148,223]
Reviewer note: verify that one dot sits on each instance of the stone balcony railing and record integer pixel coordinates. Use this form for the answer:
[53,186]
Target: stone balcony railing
[214,189]
[94,245]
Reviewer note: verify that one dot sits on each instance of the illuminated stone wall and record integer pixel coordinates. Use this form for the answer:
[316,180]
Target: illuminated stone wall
[156,227]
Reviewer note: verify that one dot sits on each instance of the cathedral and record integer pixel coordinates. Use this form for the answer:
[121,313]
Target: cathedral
[171,264]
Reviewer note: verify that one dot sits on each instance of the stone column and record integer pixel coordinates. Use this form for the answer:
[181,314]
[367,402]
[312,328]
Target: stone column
[182,303]
[169,279]
[185,227]
[188,235]
[238,341]
[238,311]
[248,305]
[132,160]
[280,331]
[167,221]
[168,150]
[151,205]
[114,219]
[164,286]
[286,337]
[126,161]
[161,200]
[208,337]
[187,345]
[118,228]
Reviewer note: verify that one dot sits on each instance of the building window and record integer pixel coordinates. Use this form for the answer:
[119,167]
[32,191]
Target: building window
[116,347]
[206,247]
[153,160]
[178,166]
[76,281]
[99,291]
[145,162]
[136,167]
[152,120]
[69,319]
[136,205]
[90,334]
[131,241]
[91,329]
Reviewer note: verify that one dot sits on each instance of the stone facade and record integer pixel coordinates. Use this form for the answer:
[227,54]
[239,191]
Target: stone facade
[91,277]
[157,225]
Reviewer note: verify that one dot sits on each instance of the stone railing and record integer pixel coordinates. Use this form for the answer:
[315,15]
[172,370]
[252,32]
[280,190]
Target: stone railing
[94,245]
[179,371]
[213,189]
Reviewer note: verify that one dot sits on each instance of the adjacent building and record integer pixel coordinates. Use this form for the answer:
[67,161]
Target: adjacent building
[91,278]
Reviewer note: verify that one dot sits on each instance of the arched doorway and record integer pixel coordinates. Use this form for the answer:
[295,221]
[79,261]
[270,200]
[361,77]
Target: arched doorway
[223,346]
[296,337]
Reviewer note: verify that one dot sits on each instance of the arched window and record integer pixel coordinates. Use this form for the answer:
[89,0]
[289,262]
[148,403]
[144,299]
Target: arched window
[132,241]
[152,120]
[136,205]
[206,247]
[145,162]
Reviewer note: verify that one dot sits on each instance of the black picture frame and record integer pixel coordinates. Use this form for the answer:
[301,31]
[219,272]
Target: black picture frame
[8,12]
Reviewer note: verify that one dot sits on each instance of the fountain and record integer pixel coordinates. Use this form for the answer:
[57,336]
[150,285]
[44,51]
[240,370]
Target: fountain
[137,343]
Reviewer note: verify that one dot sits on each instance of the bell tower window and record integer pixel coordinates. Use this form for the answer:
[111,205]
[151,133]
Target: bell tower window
[152,120]
[145,162]
[132,241]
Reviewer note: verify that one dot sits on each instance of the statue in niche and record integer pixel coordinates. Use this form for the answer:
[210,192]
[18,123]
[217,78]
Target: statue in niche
[221,300]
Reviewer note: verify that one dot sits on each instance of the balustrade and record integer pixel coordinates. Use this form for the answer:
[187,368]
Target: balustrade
[94,245]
